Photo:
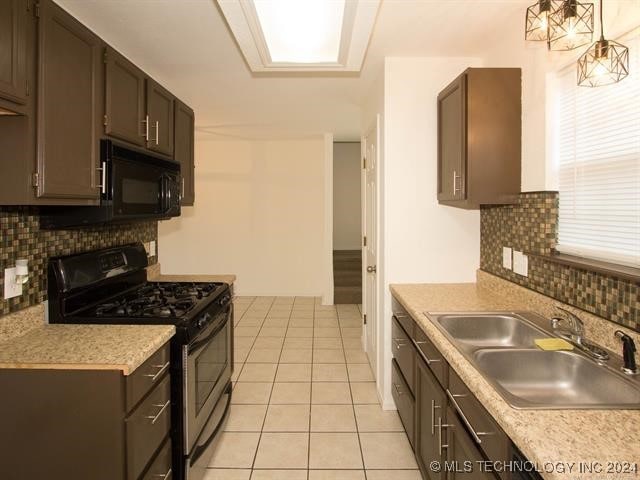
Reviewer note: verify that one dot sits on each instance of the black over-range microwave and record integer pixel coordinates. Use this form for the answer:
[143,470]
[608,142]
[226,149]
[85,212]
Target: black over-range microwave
[135,186]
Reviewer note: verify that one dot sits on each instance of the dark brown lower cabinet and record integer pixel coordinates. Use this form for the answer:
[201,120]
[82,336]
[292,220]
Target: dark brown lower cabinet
[78,425]
[450,425]
[405,402]
[430,417]
[464,459]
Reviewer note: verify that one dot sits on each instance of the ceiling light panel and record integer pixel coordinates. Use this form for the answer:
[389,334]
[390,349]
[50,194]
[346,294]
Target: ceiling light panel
[302,35]
[301,31]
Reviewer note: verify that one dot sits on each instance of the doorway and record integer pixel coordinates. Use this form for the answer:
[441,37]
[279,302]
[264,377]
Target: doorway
[347,223]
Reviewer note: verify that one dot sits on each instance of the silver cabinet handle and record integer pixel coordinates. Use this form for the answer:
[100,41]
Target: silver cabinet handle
[372,269]
[428,360]
[146,128]
[476,435]
[440,427]
[164,476]
[154,376]
[182,190]
[433,416]
[155,418]
[399,343]
[456,189]
[157,132]
[103,177]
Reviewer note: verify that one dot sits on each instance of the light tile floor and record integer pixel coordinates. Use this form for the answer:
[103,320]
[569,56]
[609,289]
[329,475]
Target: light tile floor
[304,404]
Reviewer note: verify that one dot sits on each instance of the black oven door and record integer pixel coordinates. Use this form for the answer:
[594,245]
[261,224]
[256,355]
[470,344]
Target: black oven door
[208,371]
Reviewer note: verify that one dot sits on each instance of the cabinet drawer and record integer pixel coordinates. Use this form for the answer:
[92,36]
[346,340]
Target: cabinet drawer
[160,468]
[147,427]
[146,376]
[404,353]
[405,402]
[432,356]
[403,318]
[484,430]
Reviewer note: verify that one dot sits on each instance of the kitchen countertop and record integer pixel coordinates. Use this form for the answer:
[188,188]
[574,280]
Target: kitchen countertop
[84,347]
[153,274]
[554,439]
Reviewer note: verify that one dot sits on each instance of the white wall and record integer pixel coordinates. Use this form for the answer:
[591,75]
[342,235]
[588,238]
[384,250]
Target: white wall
[259,213]
[422,240]
[347,214]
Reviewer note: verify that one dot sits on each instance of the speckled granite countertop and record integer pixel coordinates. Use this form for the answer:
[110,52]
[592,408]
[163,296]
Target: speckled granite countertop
[548,437]
[84,347]
[153,274]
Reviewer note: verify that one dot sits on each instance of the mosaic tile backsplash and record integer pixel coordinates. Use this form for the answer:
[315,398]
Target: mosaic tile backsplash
[21,237]
[531,227]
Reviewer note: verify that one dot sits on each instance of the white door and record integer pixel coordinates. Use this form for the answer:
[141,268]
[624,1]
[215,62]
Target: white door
[370,250]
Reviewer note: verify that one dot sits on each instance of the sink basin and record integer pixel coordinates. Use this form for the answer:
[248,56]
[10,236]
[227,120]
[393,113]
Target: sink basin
[529,378]
[490,330]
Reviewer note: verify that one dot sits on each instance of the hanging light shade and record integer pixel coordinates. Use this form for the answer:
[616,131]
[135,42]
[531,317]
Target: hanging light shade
[537,21]
[570,26]
[605,62]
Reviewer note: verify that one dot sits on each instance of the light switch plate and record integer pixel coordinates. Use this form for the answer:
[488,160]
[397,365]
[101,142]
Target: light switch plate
[520,263]
[506,257]
[152,248]
[11,289]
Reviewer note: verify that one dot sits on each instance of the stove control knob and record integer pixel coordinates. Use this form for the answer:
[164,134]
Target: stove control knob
[223,300]
[202,321]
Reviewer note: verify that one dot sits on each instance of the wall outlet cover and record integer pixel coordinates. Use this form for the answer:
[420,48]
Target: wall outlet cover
[506,257]
[11,289]
[152,248]
[520,263]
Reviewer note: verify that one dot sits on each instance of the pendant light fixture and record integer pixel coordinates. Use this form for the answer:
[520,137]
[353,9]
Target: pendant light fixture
[537,21]
[570,26]
[605,62]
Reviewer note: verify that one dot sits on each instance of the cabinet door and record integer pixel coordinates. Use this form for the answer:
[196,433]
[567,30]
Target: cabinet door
[160,118]
[124,99]
[13,50]
[184,150]
[430,413]
[68,106]
[452,141]
[464,460]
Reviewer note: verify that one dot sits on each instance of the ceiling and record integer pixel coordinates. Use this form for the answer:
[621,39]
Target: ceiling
[187,46]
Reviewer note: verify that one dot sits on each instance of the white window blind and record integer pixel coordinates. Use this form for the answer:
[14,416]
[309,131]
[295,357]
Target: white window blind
[598,159]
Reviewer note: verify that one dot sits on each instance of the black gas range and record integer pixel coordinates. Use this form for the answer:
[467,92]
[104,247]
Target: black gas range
[110,286]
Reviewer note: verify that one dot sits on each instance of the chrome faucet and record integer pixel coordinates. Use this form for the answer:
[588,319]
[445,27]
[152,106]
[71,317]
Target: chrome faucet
[575,334]
[576,325]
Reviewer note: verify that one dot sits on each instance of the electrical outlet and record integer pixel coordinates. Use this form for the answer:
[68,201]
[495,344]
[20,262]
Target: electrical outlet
[11,288]
[152,248]
[506,257]
[520,263]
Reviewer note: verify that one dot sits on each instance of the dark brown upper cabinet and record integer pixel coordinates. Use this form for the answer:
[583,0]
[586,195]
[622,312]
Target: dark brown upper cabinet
[184,150]
[124,117]
[159,118]
[69,98]
[14,88]
[479,138]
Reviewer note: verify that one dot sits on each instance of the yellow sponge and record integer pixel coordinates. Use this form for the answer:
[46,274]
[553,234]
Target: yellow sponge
[553,344]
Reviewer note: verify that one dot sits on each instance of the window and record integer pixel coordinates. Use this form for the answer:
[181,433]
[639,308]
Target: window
[597,153]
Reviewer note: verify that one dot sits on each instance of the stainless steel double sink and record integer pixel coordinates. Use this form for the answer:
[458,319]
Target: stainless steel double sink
[501,346]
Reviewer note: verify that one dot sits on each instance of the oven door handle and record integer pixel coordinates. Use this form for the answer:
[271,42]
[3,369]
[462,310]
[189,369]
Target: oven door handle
[200,343]
[201,448]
